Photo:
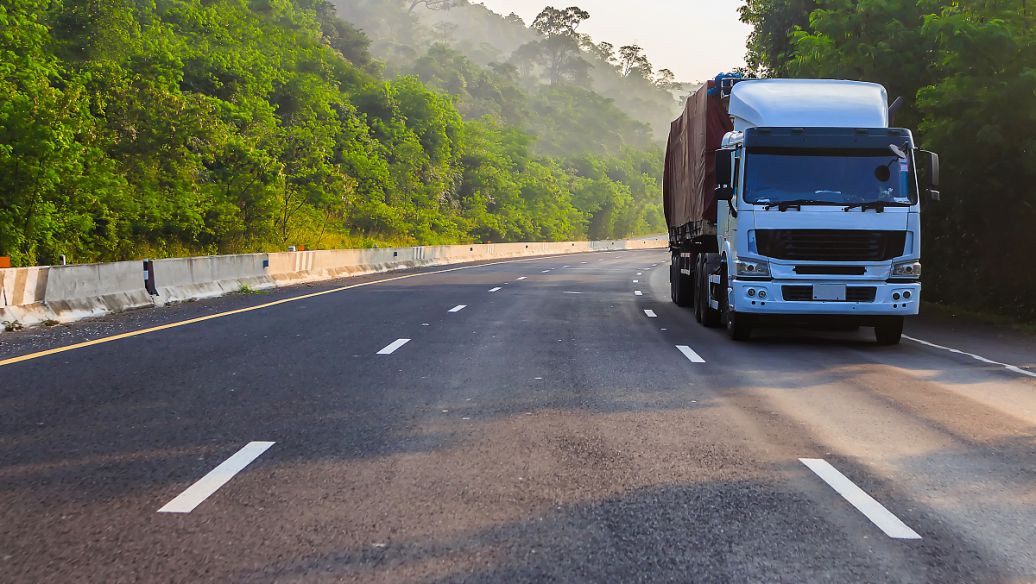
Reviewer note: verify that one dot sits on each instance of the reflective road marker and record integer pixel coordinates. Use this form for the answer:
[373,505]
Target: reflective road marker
[186,501]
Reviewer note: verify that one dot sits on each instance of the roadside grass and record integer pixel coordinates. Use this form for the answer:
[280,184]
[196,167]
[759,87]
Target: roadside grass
[953,310]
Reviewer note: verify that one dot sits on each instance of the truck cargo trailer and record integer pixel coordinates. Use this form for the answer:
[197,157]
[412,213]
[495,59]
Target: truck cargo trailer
[792,201]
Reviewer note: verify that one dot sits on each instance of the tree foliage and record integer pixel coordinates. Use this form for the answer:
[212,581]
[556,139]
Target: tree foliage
[149,128]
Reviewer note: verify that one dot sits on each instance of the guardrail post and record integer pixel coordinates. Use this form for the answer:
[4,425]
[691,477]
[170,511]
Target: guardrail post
[149,278]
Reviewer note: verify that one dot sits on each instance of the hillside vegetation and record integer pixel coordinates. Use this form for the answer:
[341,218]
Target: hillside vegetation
[967,73]
[133,128]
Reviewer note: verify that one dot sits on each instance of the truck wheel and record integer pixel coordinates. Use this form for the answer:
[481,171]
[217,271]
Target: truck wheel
[739,326]
[890,331]
[674,281]
[699,293]
[683,286]
[710,317]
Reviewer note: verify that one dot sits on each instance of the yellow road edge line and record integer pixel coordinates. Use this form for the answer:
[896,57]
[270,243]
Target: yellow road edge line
[155,329]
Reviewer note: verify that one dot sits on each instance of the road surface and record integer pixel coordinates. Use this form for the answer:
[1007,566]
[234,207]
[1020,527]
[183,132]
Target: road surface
[523,421]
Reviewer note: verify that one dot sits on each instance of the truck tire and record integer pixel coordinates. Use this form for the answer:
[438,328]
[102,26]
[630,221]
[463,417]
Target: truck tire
[889,331]
[681,286]
[699,293]
[673,280]
[739,326]
[710,317]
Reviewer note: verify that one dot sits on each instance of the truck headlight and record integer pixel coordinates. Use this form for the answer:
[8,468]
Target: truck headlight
[751,268]
[906,270]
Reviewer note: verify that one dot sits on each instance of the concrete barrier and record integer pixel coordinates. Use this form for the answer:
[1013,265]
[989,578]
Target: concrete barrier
[307,266]
[82,291]
[31,296]
[22,291]
[182,279]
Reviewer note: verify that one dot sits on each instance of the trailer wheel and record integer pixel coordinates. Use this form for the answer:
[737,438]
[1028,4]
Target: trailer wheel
[890,331]
[681,286]
[699,291]
[673,280]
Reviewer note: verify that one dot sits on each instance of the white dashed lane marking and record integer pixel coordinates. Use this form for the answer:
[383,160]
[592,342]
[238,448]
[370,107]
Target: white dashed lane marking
[458,308]
[522,278]
[497,289]
[638,293]
[650,314]
[391,348]
[690,354]
[186,501]
[864,503]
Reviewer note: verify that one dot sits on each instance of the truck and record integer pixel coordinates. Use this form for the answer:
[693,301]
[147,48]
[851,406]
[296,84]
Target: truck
[795,202]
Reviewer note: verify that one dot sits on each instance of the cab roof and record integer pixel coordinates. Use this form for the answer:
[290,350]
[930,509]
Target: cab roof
[808,103]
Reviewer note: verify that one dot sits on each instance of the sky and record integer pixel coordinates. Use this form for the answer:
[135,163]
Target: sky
[695,38]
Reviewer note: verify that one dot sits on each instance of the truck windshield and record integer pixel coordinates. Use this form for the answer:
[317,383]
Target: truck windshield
[827,177]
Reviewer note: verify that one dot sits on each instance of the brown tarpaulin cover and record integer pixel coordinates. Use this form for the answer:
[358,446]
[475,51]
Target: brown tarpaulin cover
[690,160]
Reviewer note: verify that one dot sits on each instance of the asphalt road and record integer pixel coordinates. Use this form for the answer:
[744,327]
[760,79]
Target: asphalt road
[549,431]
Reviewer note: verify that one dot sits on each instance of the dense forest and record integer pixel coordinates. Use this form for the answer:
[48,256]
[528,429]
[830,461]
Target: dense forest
[151,128]
[967,72]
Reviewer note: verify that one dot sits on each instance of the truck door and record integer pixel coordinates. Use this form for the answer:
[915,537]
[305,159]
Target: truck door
[726,212]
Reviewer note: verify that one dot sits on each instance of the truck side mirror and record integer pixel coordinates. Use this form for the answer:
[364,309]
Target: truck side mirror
[932,172]
[723,167]
[724,190]
[933,168]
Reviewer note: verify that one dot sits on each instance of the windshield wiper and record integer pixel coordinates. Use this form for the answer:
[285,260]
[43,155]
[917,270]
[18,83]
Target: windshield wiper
[878,206]
[794,204]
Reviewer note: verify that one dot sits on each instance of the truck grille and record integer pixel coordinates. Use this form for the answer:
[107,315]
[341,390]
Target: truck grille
[830,245]
[852,293]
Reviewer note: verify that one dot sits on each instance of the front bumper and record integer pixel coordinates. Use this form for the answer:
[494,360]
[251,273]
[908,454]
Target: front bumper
[745,296]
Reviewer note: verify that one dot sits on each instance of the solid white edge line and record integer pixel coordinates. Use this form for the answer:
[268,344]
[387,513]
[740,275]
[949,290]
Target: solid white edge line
[864,503]
[458,308]
[650,314]
[193,496]
[690,354]
[391,347]
[497,289]
[1011,368]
